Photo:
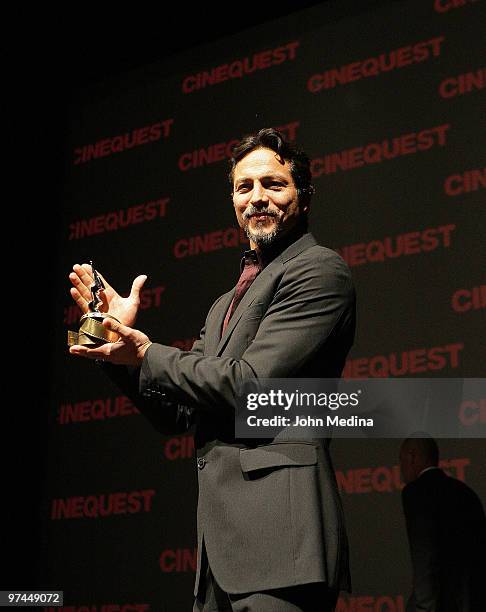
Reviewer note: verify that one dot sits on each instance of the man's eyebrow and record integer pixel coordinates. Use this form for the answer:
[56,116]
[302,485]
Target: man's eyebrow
[276,175]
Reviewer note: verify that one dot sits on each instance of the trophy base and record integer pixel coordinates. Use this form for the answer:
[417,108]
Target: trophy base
[91,331]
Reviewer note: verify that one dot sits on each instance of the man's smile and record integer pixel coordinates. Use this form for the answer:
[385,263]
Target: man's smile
[262,216]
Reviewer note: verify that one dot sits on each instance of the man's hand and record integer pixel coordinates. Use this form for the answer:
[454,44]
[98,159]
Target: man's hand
[123,309]
[129,349]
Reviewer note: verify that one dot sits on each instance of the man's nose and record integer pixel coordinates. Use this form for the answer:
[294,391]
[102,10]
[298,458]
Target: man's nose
[259,195]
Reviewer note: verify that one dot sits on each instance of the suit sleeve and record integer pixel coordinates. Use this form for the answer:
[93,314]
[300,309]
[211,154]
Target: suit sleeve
[424,551]
[167,417]
[314,296]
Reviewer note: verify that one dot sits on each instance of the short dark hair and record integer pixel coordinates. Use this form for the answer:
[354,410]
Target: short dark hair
[425,445]
[269,138]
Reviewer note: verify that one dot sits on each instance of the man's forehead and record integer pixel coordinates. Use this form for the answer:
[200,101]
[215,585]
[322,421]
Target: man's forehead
[261,162]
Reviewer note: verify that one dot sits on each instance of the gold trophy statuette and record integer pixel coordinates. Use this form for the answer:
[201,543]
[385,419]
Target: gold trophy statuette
[91,331]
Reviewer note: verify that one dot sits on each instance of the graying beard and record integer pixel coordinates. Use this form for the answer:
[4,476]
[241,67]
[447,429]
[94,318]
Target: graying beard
[262,239]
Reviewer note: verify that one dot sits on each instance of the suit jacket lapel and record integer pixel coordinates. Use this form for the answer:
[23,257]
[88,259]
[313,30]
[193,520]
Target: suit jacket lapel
[215,323]
[265,276]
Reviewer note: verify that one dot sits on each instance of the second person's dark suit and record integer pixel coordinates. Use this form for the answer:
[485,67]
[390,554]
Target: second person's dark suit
[446,529]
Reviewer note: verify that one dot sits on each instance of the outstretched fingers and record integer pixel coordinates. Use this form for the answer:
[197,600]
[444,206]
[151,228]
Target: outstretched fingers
[137,285]
[80,290]
[82,280]
[79,299]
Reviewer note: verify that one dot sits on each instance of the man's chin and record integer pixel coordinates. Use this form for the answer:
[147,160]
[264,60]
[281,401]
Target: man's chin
[262,236]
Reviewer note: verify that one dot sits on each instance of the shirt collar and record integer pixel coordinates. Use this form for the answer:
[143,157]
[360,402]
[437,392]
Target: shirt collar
[264,256]
[251,257]
[431,467]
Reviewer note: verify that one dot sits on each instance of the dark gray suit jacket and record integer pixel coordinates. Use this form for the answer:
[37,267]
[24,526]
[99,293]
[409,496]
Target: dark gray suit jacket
[446,529]
[269,513]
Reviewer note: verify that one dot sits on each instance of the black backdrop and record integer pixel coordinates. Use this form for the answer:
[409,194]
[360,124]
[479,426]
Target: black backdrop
[388,102]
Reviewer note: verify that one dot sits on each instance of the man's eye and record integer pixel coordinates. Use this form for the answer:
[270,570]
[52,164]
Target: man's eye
[243,188]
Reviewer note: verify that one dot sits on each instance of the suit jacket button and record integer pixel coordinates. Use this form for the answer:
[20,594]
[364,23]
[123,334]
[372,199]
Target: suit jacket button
[201,462]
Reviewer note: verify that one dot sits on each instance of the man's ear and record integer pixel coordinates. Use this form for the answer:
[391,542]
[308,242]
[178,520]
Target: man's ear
[304,208]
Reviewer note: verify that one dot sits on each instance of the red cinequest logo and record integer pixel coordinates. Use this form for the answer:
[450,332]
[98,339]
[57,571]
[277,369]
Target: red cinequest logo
[404,363]
[223,150]
[102,505]
[118,219]
[95,410]
[123,142]
[376,66]
[179,447]
[387,479]
[240,68]
[178,560]
[230,237]
[463,83]
[465,300]
[392,247]
[379,152]
[465,182]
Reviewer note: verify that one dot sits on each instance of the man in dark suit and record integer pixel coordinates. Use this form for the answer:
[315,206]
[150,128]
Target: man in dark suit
[446,530]
[271,532]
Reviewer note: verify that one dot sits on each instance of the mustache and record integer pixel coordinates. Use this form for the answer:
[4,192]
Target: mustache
[253,210]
